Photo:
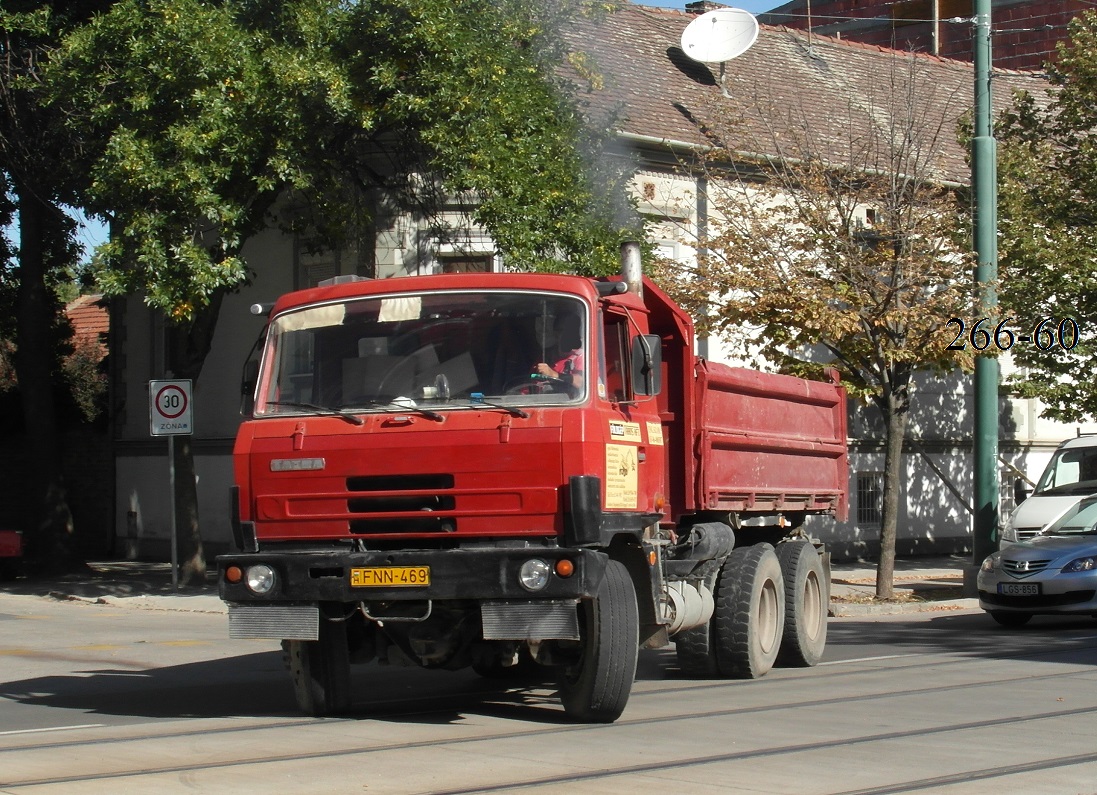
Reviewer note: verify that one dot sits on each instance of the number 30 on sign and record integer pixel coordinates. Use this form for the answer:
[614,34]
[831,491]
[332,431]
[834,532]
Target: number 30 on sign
[170,408]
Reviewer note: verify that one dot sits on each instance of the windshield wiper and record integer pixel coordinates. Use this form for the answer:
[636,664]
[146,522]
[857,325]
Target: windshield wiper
[354,419]
[477,399]
[392,405]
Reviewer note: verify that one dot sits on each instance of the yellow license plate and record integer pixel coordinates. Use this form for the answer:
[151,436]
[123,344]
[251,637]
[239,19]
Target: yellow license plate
[390,577]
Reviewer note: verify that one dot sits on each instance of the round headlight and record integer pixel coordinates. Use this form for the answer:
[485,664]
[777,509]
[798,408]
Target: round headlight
[1080,564]
[260,578]
[534,574]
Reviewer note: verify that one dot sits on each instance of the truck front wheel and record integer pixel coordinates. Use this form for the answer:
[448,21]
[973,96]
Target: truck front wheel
[321,670]
[596,688]
[749,619]
[807,601]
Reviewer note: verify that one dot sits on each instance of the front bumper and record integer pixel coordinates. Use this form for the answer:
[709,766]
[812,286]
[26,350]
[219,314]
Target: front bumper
[458,574]
[1058,593]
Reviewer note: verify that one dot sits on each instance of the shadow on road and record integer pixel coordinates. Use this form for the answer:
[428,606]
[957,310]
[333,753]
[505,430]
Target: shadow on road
[1045,638]
[257,685]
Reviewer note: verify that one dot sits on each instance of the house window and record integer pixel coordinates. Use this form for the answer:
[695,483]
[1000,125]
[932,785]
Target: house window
[870,491]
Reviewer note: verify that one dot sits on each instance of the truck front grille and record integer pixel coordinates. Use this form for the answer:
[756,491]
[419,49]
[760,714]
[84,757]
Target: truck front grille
[401,504]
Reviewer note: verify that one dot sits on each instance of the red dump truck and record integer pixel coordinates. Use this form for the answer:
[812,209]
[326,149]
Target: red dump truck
[527,474]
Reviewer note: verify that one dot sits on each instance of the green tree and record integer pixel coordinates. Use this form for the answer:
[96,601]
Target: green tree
[204,122]
[39,176]
[1048,228]
[841,252]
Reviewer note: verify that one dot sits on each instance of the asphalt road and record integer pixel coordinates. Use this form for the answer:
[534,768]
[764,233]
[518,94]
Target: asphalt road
[108,698]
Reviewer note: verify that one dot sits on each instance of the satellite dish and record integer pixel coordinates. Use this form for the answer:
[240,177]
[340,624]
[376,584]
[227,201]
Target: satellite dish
[720,35]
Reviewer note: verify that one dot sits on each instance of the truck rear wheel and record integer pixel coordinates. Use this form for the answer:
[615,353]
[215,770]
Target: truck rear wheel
[695,652]
[750,612]
[807,601]
[321,670]
[596,688]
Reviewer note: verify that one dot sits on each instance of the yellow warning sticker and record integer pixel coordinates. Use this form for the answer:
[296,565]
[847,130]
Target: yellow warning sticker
[655,433]
[621,477]
[625,431]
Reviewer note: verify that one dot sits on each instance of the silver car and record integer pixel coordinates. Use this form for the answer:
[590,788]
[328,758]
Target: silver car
[1054,572]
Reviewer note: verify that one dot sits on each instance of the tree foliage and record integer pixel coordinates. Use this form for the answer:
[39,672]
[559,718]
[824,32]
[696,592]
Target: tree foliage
[842,252]
[1048,227]
[40,173]
[199,116]
[201,122]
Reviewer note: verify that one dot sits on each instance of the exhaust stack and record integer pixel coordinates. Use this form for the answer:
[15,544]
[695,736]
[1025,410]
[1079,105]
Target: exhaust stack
[631,269]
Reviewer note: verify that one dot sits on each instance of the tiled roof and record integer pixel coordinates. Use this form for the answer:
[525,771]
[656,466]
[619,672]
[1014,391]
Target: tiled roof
[90,320]
[788,80]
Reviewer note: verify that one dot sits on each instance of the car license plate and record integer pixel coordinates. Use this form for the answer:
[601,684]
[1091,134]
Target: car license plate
[1019,588]
[390,577]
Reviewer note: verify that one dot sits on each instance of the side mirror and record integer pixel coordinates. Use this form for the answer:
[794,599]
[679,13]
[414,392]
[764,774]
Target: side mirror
[1020,491]
[647,365]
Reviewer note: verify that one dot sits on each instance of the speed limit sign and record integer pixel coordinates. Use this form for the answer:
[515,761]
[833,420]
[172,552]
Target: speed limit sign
[170,408]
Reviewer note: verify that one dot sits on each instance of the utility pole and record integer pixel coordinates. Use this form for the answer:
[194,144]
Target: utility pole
[984,182]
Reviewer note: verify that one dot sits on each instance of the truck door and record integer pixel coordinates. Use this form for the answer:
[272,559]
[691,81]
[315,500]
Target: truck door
[633,437]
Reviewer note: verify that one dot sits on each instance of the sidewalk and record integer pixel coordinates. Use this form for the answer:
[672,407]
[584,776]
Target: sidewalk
[921,584]
[928,584]
[128,583]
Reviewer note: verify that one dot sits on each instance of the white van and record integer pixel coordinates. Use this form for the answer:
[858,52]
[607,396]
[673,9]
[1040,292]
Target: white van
[1071,474]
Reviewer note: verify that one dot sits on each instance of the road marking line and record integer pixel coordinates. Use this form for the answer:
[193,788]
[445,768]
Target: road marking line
[54,729]
[869,659]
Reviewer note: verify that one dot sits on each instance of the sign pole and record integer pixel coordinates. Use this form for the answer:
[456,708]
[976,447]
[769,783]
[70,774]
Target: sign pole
[170,414]
[174,529]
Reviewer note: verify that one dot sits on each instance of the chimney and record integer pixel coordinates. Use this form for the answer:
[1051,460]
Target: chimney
[704,6]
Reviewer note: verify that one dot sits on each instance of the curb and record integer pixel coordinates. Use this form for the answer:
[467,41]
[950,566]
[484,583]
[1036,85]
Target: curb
[847,610]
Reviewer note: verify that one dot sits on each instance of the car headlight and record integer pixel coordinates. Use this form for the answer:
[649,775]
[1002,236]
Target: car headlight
[1088,563]
[260,578]
[1009,534]
[534,574]
[990,563]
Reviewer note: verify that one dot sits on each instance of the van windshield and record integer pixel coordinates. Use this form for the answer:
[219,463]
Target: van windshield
[427,350]
[1071,471]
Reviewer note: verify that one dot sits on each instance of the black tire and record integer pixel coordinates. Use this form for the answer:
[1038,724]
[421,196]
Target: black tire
[749,619]
[696,653]
[596,688]
[9,568]
[807,601]
[694,648]
[321,670]
[1008,619]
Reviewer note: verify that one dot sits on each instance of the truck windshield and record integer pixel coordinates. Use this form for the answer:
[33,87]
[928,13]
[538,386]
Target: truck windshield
[1071,471]
[400,352]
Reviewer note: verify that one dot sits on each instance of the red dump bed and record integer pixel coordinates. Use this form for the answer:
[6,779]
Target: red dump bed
[767,442]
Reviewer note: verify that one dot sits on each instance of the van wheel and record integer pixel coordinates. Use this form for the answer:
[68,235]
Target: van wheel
[749,620]
[321,670]
[807,600]
[596,688]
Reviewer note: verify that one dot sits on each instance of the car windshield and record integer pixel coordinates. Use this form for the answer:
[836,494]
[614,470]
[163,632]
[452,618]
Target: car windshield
[412,351]
[1080,519]
[1071,471]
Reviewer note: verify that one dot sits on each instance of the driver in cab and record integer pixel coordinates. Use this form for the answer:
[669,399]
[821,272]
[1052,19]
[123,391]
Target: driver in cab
[568,366]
